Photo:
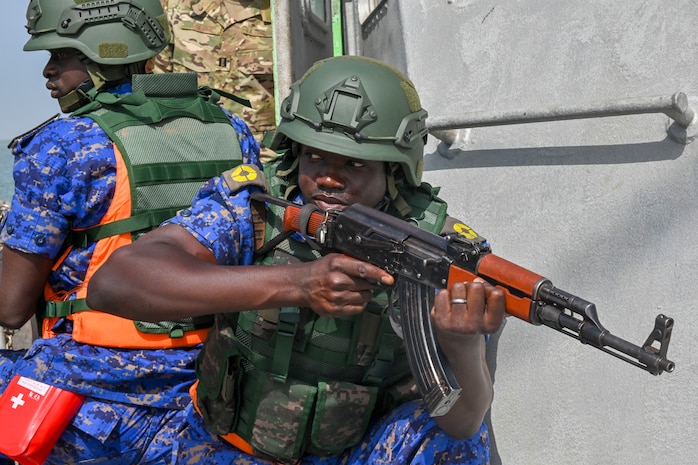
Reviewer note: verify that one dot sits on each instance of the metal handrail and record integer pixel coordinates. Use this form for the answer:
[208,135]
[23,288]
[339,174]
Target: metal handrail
[675,106]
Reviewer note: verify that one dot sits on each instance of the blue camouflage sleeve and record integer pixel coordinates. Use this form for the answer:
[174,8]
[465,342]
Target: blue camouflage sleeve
[64,176]
[221,222]
[248,144]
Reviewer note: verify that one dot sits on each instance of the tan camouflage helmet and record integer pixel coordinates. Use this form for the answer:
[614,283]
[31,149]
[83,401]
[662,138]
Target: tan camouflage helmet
[357,107]
[108,32]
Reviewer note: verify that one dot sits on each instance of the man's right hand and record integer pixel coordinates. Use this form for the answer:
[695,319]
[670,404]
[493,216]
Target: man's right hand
[338,285]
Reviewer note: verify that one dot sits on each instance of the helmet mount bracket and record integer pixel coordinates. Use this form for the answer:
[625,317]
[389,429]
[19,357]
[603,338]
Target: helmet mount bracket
[346,106]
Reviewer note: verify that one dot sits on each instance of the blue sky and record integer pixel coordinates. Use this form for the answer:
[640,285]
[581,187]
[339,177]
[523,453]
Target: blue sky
[24,99]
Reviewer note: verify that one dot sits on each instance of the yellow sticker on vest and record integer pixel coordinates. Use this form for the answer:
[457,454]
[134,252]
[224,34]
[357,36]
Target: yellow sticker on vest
[464,230]
[243,173]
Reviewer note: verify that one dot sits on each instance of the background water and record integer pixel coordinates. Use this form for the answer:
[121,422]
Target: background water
[6,161]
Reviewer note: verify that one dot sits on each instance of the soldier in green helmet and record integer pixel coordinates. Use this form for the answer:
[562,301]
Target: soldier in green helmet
[134,149]
[303,364]
[110,51]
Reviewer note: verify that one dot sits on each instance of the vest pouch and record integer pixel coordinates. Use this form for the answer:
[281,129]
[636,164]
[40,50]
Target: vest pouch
[34,416]
[218,397]
[342,414]
[276,416]
[219,371]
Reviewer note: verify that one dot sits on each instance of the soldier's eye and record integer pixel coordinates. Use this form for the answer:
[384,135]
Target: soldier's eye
[61,55]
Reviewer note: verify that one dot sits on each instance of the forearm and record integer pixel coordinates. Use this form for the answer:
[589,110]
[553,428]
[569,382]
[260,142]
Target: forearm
[22,281]
[184,287]
[467,360]
[168,274]
[156,280]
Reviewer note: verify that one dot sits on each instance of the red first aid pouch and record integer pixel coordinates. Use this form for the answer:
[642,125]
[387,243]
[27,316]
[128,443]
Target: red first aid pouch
[33,415]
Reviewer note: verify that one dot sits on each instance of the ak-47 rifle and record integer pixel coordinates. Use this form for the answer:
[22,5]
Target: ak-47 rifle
[422,261]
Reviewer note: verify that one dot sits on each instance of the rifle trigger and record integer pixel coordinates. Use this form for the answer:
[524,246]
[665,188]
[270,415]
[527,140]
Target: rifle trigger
[394,317]
[321,234]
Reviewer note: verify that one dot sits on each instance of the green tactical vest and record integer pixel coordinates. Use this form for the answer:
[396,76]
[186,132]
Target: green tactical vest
[173,137]
[290,382]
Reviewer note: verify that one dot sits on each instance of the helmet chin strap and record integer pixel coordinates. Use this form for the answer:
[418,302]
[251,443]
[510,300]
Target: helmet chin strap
[394,194]
[103,75]
[100,76]
[77,97]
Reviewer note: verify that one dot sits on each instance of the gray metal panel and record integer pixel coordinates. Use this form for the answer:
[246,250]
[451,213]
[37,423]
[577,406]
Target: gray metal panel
[604,207]
[303,35]
[375,29]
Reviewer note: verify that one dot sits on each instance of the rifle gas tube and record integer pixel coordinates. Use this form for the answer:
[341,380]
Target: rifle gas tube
[422,261]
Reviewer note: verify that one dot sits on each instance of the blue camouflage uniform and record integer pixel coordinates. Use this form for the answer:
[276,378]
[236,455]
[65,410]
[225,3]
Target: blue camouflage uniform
[65,176]
[222,222]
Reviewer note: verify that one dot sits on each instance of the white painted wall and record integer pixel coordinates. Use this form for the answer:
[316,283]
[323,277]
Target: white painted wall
[605,208]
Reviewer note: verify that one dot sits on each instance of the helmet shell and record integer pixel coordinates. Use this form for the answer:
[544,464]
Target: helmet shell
[357,107]
[108,32]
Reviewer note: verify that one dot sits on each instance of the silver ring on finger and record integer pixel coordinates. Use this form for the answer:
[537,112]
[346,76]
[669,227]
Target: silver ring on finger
[459,301]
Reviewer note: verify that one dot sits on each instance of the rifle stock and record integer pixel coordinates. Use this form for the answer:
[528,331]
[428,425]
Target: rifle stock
[422,261]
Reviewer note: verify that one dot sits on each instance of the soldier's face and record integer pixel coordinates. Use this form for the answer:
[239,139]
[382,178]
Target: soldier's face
[333,181]
[64,71]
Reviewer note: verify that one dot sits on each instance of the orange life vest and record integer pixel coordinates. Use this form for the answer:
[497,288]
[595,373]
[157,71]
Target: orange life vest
[105,329]
[156,175]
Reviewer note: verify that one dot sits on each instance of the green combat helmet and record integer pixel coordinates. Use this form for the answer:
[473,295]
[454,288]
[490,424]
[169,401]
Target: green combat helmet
[115,37]
[357,107]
